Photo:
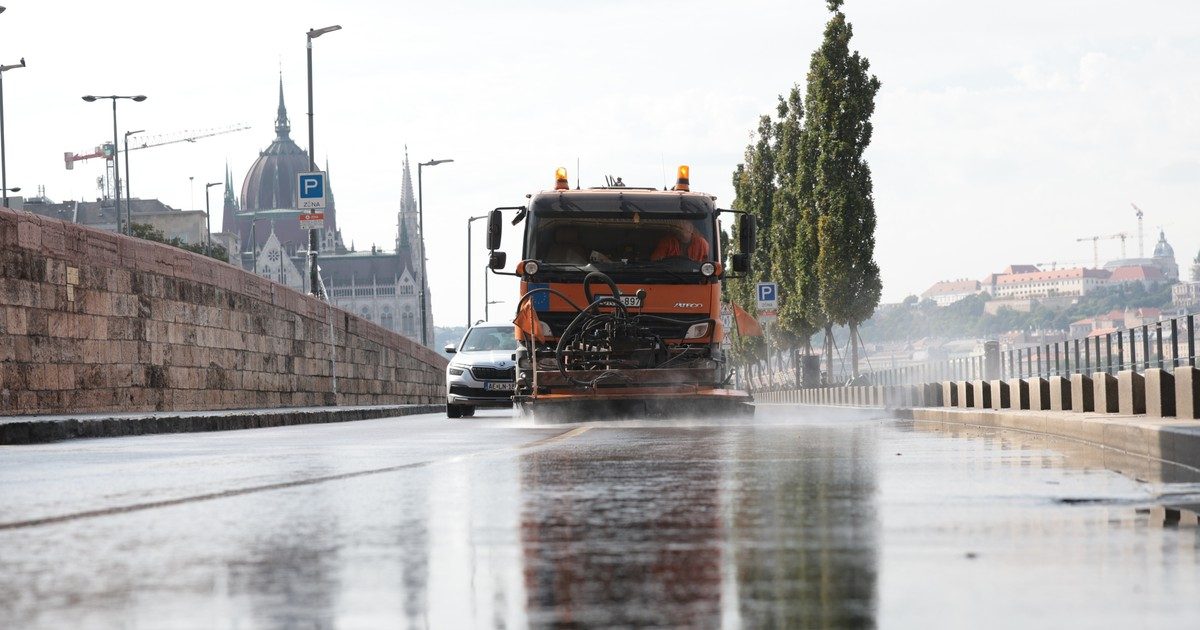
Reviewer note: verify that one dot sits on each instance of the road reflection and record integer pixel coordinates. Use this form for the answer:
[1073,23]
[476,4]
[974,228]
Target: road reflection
[753,527]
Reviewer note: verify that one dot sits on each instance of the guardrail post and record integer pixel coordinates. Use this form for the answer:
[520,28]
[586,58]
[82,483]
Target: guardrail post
[1105,394]
[1131,392]
[999,394]
[1083,396]
[1018,392]
[1160,393]
[1039,393]
[1060,393]
[1187,392]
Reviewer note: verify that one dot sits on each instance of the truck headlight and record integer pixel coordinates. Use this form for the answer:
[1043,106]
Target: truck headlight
[696,331]
[456,371]
[708,269]
[531,267]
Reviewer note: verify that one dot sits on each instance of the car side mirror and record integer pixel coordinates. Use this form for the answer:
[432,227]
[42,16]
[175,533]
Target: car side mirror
[495,229]
[497,260]
[741,263]
[450,349]
[747,233]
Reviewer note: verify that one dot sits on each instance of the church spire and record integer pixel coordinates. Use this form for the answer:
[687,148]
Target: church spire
[282,125]
[408,201]
[230,197]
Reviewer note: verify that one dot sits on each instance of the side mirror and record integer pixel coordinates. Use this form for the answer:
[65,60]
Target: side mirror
[747,233]
[741,263]
[497,260]
[450,349]
[494,230]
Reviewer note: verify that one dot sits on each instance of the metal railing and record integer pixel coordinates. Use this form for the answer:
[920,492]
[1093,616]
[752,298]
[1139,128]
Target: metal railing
[1165,344]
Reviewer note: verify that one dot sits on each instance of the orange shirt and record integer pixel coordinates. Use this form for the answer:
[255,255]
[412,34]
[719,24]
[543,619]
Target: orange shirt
[670,247]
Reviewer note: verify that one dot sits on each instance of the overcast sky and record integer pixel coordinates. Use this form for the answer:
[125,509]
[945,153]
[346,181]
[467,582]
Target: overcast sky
[1004,131]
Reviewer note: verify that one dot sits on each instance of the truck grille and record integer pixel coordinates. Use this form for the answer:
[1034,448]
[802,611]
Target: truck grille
[558,323]
[494,374]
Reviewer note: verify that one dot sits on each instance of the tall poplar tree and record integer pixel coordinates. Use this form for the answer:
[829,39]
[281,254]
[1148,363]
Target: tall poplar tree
[794,326]
[840,100]
[754,187]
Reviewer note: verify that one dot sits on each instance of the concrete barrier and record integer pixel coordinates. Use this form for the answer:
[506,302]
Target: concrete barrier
[1060,393]
[1000,396]
[1187,392]
[949,394]
[1131,393]
[1039,393]
[1160,393]
[1083,397]
[1105,393]
[966,395]
[982,394]
[1018,392]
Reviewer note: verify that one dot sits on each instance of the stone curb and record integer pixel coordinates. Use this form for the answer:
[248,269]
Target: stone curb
[1173,441]
[40,429]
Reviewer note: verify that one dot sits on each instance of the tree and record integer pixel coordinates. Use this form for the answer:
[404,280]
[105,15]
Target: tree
[788,268]
[754,190]
[148,232]
[839,102]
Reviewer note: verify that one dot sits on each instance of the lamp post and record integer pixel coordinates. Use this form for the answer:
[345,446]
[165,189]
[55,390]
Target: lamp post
[3,159]
[128,195]
[207,225]
[469,222]
[421,229]
[312,158]
[116,160]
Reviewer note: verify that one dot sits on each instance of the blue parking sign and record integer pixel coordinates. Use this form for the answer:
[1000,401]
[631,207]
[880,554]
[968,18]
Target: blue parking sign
[310,190]
[768,296]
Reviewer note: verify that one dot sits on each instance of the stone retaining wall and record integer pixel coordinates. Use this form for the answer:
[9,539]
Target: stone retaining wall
[95,322]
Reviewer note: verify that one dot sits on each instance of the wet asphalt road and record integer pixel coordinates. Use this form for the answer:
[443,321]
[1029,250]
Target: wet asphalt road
[780,521]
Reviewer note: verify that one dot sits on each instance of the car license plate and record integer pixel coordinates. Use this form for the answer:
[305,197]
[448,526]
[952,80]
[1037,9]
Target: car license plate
[500,387]
[628,300]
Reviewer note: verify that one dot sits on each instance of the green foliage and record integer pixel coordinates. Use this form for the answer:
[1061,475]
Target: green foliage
[147,232]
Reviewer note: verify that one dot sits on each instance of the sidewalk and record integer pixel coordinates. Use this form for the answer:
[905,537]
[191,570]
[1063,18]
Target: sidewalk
[38,429]
[1164,439]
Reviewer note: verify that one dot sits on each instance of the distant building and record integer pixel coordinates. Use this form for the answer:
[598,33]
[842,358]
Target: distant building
[1147,275]
[1186,295]
[1076,281]
[1163,258]
[381,286]
[186,225]
[948,292]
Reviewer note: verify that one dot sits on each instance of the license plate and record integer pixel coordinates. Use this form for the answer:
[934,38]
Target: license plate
[500,387]
[628,300]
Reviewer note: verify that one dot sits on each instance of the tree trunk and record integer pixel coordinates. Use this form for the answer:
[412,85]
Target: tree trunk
[854,347]
[829,353]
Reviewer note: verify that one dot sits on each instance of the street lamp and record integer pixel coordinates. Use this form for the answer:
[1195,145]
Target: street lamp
[3,163]
[207,225]
[128,194]
[469,222]
[116,160]
[421,229]
[312,157]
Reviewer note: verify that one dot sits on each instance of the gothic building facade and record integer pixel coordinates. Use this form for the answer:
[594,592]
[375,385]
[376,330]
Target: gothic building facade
[384,287]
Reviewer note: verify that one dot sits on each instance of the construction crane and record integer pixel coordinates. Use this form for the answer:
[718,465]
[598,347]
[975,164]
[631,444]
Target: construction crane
[145,142]
[1096,245]
[1141,236]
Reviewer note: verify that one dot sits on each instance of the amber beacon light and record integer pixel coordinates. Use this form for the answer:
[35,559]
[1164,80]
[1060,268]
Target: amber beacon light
[560,179]
[683,182]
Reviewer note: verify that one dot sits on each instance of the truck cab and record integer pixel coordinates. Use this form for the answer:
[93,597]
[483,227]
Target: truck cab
[621,292]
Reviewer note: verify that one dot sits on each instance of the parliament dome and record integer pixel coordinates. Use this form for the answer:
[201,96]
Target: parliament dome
[270,183]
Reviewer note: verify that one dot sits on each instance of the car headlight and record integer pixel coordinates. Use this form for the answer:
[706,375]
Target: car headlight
[456,371]
[696,331]
[708,269]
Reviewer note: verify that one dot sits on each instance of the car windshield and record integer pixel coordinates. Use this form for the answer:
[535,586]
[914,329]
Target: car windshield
[491,338]
[609,242]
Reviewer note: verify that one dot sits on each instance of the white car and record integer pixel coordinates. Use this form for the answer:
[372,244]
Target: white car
[483,370]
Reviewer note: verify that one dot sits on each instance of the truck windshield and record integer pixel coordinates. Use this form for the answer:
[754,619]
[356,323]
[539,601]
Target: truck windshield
[607,242]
